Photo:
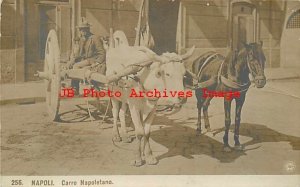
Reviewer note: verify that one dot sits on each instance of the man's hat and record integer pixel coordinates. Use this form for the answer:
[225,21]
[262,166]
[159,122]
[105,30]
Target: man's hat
[83,24]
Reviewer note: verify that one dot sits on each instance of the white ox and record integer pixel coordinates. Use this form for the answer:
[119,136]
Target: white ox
[166,72]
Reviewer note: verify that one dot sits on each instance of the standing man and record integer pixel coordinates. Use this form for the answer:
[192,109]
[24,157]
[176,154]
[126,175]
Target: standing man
[90,52]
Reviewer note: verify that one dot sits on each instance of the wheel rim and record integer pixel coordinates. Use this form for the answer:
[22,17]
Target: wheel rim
[52,67]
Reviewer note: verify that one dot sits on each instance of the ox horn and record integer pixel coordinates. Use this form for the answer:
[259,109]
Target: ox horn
[151,54]
[188,53]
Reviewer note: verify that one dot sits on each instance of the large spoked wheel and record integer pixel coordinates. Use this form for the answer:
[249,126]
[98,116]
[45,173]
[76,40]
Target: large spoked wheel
[52,69]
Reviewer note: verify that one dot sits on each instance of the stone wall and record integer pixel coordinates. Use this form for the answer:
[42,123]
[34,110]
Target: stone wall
[207,26]
[106,14]
[12,41]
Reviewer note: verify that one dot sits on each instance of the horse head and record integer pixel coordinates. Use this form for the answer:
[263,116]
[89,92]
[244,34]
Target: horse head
[256,63]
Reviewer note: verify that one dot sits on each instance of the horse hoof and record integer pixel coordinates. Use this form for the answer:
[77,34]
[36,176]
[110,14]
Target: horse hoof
[239,147]
[137,163]
[126,139]
[227,149]
[198,132]
[117,139]
[151,160]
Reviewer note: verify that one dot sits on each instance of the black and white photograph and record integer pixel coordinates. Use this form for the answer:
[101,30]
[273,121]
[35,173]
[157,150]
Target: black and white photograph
[150,93]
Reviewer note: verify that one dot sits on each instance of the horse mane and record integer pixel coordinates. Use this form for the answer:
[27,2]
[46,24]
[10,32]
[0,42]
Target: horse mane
[231,61]
[235,57]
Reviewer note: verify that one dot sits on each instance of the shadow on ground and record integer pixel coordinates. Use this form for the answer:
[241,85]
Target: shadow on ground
[183,141]
[261,133]
[81,113]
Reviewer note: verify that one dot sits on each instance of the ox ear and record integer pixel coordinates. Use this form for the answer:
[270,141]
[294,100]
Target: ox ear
[247,46]
[188,53]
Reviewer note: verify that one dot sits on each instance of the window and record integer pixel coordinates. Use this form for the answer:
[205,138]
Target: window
[294,20]
[242,24]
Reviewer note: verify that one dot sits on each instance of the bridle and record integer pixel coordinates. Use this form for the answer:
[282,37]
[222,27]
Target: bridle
[257,77]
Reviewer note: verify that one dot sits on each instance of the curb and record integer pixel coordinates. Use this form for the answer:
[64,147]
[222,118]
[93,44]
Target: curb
[285,78]
[23,101]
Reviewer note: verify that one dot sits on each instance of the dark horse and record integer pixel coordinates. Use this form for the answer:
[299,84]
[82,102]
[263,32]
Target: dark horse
[224,74]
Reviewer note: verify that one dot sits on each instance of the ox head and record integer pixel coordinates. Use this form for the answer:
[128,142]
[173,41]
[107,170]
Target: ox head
[167,75]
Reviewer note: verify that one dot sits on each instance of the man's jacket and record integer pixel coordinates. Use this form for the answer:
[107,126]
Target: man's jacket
[91,49]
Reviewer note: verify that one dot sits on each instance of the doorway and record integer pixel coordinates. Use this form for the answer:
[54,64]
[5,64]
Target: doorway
[163,17]
[47,22]
[57,17]
[243,24]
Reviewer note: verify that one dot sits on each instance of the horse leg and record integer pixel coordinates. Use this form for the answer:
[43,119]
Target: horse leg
[150,159]
[205,113]
[238,109]
[124,135]
[115,111]
[139,133]
[199,107]
[227,108]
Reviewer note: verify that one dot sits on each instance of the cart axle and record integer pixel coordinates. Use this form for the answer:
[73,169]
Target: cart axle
[42,75]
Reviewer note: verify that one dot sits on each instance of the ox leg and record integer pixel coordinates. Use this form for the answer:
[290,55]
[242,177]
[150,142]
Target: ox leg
[238,110]
[115,111]
[199,107]
[150,159]
[205,113]
[227,108]
[124,135]
[139,132]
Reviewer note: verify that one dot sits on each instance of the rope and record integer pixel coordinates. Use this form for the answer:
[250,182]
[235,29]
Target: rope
[89,110]
[106,111]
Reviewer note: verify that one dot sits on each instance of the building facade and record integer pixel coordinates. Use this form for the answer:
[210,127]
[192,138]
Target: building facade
[217,25]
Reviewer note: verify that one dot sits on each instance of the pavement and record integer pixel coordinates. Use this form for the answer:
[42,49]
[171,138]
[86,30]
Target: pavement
[33,92]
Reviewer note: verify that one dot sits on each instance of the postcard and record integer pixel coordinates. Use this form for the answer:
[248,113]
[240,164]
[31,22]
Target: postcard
[150,93]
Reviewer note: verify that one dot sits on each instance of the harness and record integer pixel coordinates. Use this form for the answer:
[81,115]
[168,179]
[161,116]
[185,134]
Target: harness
[125,83]
[219,78]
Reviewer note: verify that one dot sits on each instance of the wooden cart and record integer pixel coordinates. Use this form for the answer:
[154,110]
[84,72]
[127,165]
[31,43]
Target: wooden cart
[53,74]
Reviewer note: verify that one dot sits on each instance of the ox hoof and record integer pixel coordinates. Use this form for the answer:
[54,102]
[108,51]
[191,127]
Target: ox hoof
[227,149]
[151,160]
[208,129]
[239,147]
[117,139]
[137,163]
[126,139]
